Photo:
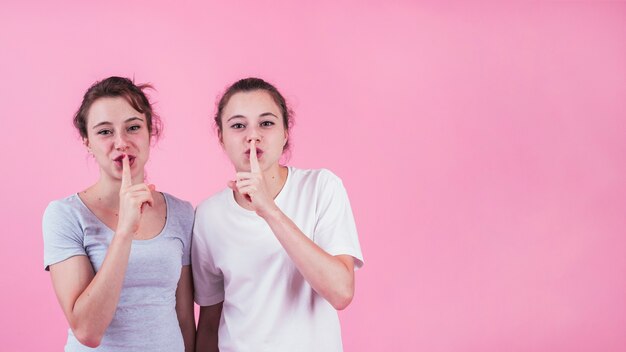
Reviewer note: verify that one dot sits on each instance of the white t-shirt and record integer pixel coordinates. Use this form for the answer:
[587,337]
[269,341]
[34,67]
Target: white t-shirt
[236,258]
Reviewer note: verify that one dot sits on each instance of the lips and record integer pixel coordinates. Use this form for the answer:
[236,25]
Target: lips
[259,152]
[118,160]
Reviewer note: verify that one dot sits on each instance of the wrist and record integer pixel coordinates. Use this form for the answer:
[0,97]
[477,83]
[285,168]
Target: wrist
[272,212]
[123,234]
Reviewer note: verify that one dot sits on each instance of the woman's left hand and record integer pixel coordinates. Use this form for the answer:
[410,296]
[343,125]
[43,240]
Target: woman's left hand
[253,187]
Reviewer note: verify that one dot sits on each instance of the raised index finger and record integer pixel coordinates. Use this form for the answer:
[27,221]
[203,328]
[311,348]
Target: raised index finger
[254,162]
[126,177]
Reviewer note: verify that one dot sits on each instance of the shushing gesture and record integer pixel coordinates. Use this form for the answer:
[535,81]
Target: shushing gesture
[133,198]
[252,185]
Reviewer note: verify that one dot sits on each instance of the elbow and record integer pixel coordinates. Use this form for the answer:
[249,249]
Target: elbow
[88,338]
[342,299]
[89,341]
[342,303]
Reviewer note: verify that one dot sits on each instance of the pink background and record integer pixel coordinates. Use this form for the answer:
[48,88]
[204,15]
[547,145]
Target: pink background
[483,148]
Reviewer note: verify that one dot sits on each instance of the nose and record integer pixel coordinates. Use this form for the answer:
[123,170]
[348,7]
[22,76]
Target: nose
[253,134]
[121,143]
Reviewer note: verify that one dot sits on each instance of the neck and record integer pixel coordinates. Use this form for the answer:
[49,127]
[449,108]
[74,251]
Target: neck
[107,190]
[275,179]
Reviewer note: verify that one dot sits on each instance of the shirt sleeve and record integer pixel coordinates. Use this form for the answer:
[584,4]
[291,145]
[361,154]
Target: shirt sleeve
[208,280]
[335,229]
[62,234]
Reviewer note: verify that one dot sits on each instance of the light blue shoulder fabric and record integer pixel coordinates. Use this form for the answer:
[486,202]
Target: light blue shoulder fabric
[145,319]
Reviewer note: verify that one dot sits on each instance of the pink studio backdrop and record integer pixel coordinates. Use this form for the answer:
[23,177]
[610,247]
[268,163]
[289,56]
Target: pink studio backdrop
[483,148]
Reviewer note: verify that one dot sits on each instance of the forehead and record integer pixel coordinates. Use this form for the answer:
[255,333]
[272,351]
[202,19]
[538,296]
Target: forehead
[111,109]
[251,104]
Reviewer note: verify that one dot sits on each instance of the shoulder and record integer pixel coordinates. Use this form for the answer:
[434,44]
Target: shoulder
[179,212]
[63,224]
[312,173]
[68,207]
[177,205]
[216,201]
[65,219]
[211,214]
[318,177]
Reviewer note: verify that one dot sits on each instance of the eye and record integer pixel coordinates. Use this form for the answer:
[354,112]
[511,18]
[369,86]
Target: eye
[105,132]
[237,126]
[267,124]
[134,128]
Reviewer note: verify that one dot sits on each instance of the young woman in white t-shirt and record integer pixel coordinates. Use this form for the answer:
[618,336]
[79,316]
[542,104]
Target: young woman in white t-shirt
[273,254]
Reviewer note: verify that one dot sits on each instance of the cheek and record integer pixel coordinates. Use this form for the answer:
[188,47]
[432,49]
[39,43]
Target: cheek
[229,142]
[230,149]
[98,148]
[142,141]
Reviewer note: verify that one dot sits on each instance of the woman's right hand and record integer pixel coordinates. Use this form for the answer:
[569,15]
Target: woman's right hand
[132,200]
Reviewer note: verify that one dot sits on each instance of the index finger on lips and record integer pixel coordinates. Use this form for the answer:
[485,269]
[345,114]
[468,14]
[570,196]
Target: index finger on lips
[126,176]
[254,162]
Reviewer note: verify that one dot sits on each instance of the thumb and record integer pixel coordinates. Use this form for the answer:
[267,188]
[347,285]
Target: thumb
[232,185]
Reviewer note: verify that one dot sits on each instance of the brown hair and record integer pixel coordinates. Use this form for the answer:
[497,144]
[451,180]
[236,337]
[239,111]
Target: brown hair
[248,85]
[118,87]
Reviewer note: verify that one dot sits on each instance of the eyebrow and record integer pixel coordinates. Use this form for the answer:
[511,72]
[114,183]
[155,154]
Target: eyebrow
[265,114]
[109,123]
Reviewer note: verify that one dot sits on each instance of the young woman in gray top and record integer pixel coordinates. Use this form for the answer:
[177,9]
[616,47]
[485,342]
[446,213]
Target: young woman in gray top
[118,251]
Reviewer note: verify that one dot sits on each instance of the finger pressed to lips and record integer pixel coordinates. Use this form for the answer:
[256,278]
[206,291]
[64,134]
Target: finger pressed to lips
[258,152]
[254,161]
[126,176]
[119,160]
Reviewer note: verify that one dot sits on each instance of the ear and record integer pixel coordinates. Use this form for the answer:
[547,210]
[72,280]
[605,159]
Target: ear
[286,138]
[219,136]
[86,143]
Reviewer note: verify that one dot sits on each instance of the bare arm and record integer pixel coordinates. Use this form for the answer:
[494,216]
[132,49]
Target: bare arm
[330,276]
[89,301]
[184,308]
[208,324]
